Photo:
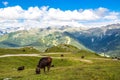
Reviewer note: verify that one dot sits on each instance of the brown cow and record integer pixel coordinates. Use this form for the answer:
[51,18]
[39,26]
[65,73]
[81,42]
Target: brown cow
[44,62]
[21,68]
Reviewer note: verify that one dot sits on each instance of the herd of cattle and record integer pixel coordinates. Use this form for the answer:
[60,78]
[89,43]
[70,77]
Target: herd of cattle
[46,62]
[42,64]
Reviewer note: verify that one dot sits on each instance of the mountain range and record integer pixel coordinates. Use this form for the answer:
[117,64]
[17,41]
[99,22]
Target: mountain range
[105,39]
[100,39]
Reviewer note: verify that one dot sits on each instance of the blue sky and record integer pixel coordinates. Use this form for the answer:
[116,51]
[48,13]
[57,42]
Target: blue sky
[65,4]
[43,13]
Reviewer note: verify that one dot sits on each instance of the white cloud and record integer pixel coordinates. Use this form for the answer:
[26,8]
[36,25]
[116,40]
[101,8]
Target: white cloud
[45,16]
[112,15]
[5,3]
[101,11]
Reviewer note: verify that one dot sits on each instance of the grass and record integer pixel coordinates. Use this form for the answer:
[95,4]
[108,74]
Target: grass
[25,50]
[62,48]
[71,68]
[78,54]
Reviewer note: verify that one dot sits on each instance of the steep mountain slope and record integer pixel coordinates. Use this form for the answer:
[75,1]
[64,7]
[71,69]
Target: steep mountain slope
[38,38]
[105,39]
[101,39]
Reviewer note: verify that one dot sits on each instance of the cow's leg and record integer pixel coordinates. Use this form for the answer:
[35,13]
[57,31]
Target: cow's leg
[48,68]
[44,69]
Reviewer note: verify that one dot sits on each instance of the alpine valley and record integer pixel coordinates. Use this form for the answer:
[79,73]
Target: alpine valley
[104,39]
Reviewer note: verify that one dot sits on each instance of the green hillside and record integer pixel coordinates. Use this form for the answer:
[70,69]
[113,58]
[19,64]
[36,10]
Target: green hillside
[72,67]
[25,50]
[62,48]
[39,39]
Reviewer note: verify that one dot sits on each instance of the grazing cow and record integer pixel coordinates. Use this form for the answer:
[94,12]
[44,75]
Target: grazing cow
[62,57]
[82,57]
[44,62]
[21,68]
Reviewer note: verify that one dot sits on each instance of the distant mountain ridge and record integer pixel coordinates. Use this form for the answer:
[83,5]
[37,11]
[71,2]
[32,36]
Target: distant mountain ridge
[39,38]
[100,39]
[104,39]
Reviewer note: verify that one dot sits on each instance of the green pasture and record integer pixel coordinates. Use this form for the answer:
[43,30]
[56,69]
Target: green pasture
[72,67]
[24,50]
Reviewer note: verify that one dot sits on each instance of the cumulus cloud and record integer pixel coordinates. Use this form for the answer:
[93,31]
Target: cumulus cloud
[5,3]
[45,16]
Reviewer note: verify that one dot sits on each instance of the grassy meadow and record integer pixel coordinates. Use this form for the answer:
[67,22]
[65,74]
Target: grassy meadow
[24,50]
[72,67]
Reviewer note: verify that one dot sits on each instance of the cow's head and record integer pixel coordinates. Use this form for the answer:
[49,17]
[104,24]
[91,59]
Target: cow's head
[37,70]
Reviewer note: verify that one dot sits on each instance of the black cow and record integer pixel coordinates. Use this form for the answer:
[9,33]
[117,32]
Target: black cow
[44,62]
[62,57]
[82,57]
[21,68]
